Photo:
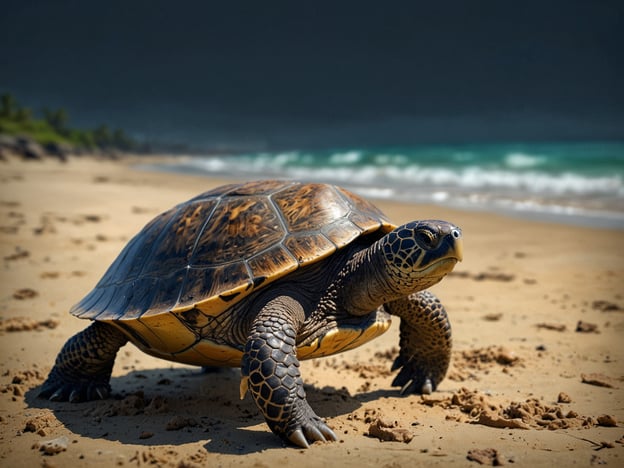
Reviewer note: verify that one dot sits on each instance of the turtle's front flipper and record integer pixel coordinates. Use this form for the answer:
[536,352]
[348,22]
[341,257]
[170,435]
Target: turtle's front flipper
[425,342]
[270,370]
[83,367]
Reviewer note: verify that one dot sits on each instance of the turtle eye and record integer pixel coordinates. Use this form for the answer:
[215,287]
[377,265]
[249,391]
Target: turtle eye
[426,238]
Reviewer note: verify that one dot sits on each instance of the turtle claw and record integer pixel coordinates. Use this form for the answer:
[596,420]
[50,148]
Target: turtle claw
[307,428]
[56,389]
[56,396]
[412,387]
[102,393]
[298,438]
[407,388]
[329,434]
[314,434]
[416,375]
[413,378]
[310,434]
[427,388]
[397,364]
[74,396]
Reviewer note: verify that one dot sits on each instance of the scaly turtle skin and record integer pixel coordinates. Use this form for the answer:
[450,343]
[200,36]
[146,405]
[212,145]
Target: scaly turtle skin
[261,275]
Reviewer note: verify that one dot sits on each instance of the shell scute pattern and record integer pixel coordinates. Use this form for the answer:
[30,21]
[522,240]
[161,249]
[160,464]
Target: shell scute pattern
[365,215]
[141,295]
[305,248]
[166,296]
[202,283]
[176,247]
[322,206]
[84,309]
[341,232]
[266,264]
[124,274]
[133,257]
[239,228]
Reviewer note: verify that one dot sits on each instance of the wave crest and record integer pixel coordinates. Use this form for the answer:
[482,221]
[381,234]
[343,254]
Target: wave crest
[517,181]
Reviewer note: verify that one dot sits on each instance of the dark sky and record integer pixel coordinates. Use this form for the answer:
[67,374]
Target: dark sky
[322,73]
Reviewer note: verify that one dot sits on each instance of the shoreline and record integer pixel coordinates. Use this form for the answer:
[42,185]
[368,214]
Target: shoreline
[537,310]
[575,212]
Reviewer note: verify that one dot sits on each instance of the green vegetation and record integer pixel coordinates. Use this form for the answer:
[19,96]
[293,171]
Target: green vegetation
[53,128]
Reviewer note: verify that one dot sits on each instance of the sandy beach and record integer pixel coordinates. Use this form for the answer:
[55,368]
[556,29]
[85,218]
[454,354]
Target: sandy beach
[536,380]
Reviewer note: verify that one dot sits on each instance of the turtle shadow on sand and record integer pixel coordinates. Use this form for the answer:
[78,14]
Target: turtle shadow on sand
[176,406]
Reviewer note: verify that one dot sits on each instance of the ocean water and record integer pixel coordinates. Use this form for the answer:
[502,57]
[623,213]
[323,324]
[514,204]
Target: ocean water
[579,183]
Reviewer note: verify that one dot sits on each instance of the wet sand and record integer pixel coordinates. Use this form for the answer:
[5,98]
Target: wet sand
[537,375]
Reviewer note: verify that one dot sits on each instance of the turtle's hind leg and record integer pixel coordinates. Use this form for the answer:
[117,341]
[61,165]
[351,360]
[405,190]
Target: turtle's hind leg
[83,367]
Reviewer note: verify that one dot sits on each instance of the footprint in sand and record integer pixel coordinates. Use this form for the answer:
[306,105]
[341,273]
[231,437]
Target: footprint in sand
[559,327]
[141,210]
[14,220]
[17,255]
[46,224]
[18,324]
[25,293]
[48,220]
[56,274]
[483,276]
[606,306]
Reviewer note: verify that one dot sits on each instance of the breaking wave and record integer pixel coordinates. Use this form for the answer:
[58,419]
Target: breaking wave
[562,180]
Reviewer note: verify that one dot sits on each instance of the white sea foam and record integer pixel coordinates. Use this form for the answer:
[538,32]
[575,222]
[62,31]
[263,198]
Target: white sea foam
[414,176]
[349,157]
[440,197]
[391,159]
[523,161]
[517,185]
[279,159]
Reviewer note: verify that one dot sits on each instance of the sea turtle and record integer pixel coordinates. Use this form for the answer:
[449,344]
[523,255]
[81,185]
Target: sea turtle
[261,275]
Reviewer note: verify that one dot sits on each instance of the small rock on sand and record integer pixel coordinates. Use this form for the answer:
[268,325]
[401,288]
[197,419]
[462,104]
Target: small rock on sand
[531,413]
[599,380]
[552,326]
[606,420]
[38,425]
[54,446]
[586,327]
[179,422]
[493,419]
[387,430]
[487,456]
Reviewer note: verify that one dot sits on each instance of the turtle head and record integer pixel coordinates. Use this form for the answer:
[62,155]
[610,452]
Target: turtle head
[419,254]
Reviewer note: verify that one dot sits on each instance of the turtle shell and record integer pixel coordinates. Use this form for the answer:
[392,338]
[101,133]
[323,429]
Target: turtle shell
[208,253]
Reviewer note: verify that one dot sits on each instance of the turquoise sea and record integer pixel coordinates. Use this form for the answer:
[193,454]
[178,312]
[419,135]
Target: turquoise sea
[579,183]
